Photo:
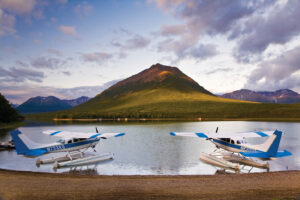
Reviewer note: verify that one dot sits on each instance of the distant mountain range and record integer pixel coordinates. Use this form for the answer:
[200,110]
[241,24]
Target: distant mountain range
[14,105]
[157,92]
[164,92]
[278,96]
[48,104]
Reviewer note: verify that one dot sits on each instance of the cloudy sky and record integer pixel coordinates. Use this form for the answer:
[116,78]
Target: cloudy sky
[73,48]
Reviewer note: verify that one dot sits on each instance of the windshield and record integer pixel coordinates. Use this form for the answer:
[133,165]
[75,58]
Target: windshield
[61,141]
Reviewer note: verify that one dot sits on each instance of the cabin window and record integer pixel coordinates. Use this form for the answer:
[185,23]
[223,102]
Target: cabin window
[232,141]
[238,142]
[61,141]
[75,140]
[69,141]
[225,139]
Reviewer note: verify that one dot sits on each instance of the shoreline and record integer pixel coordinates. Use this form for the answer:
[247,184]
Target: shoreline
[11,125]
[179,119]
[40,185]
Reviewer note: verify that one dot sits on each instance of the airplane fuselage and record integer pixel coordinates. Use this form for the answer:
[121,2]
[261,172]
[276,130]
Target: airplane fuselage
[74,146]
[232,146]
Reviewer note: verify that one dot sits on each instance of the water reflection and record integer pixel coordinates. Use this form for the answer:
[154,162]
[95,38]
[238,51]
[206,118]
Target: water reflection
[147,147]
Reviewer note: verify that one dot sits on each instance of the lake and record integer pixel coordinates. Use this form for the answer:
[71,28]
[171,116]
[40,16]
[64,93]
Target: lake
[148,149]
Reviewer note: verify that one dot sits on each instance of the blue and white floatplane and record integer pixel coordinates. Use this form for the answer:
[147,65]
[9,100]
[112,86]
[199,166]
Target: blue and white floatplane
[74,143]
[233,151]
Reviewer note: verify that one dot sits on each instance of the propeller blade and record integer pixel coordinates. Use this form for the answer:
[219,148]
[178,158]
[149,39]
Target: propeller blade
[217,129]
[97,130]
[103,138]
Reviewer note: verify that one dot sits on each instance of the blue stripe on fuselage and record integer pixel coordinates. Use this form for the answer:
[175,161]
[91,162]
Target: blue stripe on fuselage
[68,146]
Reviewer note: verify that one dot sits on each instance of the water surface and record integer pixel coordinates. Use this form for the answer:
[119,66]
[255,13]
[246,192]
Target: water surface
[148,149]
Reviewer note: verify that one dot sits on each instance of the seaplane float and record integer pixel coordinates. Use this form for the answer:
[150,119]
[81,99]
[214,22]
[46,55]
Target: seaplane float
[74,143]
[233,153]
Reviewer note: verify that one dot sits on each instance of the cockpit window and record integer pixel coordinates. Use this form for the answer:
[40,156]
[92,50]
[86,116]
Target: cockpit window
[225,139]
[61,141]
[75,140]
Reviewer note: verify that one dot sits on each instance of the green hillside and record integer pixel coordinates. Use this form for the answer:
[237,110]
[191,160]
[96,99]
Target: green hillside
[165,92]
[7,113]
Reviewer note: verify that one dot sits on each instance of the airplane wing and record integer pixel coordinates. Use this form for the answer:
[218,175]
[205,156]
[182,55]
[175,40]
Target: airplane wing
[69,135]
[224,135]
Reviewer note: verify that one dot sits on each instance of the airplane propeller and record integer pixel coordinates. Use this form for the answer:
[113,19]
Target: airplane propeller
[97,130]
[217,129]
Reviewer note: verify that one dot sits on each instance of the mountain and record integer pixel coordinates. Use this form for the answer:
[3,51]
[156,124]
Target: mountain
[7,113]
[78,101]
[163,92]
[14,105]
[157,92]
[48,104]
[279,96]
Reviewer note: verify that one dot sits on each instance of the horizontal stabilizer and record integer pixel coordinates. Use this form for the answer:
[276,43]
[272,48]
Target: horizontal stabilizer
[283,153]
[255,154]
[259,154]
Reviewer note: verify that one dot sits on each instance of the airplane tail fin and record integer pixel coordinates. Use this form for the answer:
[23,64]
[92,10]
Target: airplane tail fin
[21,147]
[271,145]
[273,149]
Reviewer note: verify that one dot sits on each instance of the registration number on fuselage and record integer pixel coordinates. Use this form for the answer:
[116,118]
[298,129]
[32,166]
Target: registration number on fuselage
[246,149]
[56,148]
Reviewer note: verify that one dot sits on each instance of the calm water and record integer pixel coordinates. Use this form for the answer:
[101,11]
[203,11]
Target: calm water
[148,149]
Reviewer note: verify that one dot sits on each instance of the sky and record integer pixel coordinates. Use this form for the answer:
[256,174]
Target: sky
[72,48]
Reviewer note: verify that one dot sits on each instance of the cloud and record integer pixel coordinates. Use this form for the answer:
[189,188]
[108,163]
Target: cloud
[11,10]
[68,30]
[217,70]
[83,9]
[202,51]
[36,41]
[48,63]
[19,7]
[67,73]
[277,73]
[278,27]
[54,52]
[133,43]
[187,50]
[97,57]
[18,93]
[62,1]
[206,16]
[234,20]
[7,23]
[173,30]
[167,5]
[20,75]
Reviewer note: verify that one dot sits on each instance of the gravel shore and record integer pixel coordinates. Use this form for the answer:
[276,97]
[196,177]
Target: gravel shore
[33,185]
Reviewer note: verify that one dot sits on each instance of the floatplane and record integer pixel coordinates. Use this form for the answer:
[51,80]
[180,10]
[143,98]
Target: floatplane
[232,150]
[74,143]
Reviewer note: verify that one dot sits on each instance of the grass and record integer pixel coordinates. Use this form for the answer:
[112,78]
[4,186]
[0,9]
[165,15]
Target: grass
[11,125]
[166,103]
